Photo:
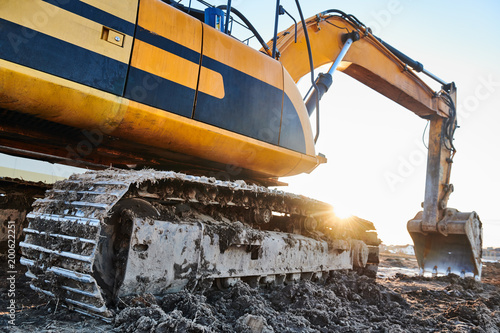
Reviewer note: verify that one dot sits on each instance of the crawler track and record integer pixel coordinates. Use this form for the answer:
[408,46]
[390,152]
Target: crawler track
[68,228]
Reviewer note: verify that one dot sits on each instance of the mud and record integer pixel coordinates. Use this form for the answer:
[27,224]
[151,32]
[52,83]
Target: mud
[491,271]
[16,197]
[346,302]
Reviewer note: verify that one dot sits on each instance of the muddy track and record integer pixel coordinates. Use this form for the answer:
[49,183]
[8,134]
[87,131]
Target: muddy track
[66,227]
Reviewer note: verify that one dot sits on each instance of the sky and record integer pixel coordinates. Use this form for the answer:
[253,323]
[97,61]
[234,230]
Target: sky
[369,139]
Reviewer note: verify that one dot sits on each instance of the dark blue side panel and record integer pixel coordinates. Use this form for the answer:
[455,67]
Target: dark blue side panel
[250,107]
[292,133]
[155,91]
[57,57]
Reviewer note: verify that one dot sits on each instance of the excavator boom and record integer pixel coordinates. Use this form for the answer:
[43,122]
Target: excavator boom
[445,240]
[367,61]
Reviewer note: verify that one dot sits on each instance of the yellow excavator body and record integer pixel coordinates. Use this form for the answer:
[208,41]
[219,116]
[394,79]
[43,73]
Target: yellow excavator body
[191,91]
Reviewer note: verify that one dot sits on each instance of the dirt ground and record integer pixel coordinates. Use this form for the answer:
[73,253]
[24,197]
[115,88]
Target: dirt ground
[397,301]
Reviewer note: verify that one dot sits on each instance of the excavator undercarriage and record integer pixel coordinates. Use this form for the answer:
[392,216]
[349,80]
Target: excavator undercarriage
[94,236]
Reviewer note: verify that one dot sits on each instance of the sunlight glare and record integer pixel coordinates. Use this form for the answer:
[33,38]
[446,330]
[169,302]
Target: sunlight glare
[343,211]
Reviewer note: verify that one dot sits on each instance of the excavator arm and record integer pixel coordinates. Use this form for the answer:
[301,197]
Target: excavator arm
[445,239]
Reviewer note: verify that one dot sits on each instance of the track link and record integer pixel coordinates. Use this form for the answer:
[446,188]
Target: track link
[62,239]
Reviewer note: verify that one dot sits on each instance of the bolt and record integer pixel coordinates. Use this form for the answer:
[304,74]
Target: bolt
[117,38]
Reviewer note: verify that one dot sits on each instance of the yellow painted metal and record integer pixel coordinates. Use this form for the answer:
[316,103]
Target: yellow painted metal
[177,69]
[73,104]
[165,21]
[124,9]
[242,57]
[167,65]
[191,137]
[211,83]
[61,101]
[164,64]
[45,18]
[367,60]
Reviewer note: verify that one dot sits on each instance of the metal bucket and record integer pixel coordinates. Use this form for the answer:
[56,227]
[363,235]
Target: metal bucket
[455,248]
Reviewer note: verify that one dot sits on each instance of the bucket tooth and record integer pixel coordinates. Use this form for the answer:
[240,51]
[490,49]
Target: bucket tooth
[456,248]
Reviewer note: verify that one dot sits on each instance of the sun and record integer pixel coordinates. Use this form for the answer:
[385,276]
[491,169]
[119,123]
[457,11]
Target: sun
[342,212]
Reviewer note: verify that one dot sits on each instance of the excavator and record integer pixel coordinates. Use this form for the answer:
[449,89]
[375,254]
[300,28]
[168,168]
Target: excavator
[185,130]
